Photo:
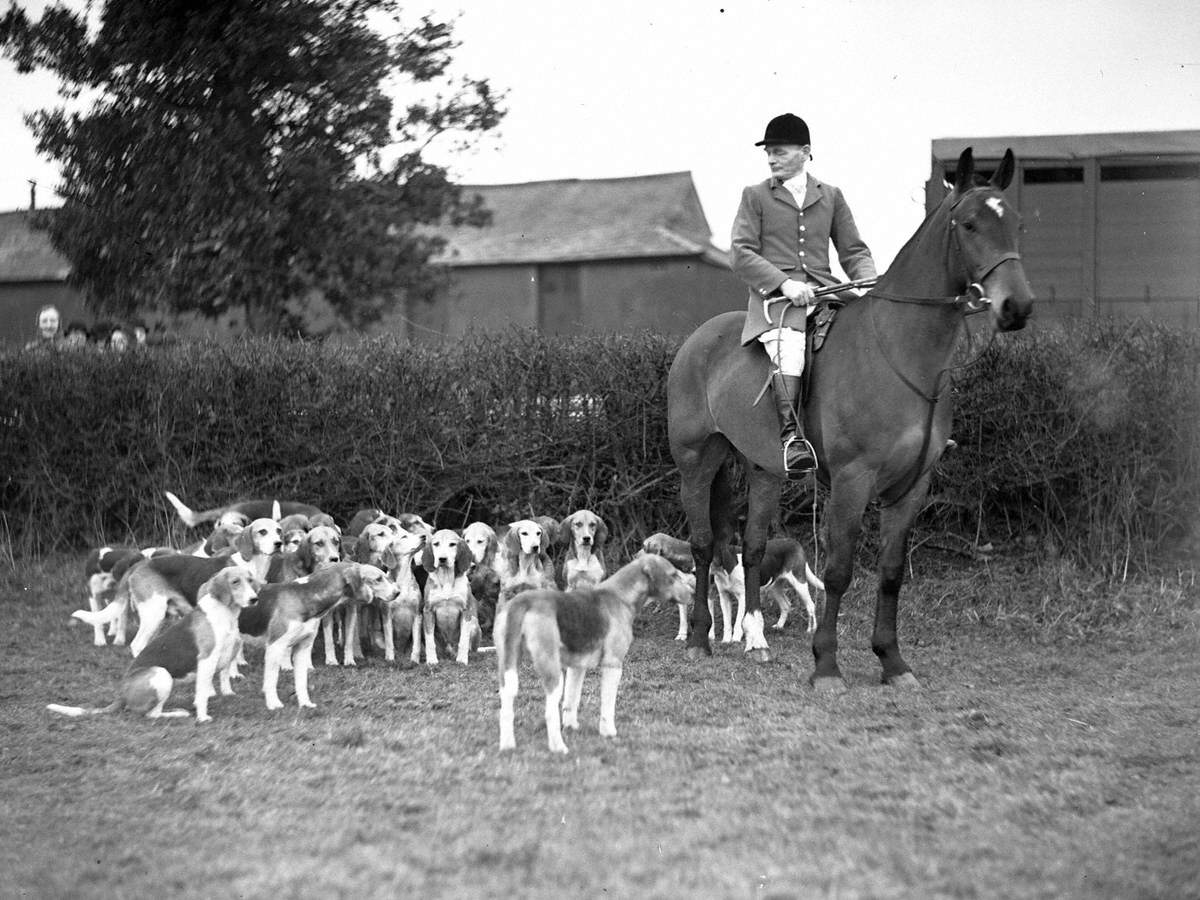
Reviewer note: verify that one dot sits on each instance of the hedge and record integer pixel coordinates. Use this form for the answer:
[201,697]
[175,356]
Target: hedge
[1084,441]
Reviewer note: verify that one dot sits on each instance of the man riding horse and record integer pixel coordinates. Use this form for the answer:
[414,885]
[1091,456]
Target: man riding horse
[780,248]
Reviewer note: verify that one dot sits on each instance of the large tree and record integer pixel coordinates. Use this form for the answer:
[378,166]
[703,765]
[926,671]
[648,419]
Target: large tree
[246,153]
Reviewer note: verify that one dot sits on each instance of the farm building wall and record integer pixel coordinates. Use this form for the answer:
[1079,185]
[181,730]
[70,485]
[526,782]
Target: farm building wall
[1111,223]
[671,296]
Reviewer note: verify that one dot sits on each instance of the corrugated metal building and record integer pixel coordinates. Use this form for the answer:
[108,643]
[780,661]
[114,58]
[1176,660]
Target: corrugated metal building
[1111,222]
[583,256]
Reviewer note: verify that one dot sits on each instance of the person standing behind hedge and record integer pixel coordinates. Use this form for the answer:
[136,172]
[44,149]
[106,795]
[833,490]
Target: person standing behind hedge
[49,324]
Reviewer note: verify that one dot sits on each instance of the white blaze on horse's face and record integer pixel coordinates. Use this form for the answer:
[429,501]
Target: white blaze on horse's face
[997,206]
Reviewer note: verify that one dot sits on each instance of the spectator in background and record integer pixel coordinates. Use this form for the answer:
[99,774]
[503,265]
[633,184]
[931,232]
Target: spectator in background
[75,334]
[118,340]
[49,324]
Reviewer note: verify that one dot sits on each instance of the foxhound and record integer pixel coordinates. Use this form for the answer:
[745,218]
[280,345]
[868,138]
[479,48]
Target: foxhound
[222,540]
[402,614]
[103,569]
[249,509]
[522,561]
[577,630]
[482,541]
[203,642]
[156,585]
[448,611]
[783,563]
[288,615]
[585,535]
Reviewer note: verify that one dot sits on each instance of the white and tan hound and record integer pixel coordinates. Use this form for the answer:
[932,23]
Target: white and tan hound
[160,583]
[784,564]
[481,539]
[402,614]
[577,630]
[522,560]
[203,642]
[448,609]
[287,617]
[678,553]
[585,535]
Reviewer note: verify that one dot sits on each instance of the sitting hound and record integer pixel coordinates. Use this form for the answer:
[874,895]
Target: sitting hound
[585,534]
[522,562]
[577,630]
[448,611]
[203,642]
[288,615]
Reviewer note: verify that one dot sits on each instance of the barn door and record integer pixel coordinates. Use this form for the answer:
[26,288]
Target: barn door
[559,305]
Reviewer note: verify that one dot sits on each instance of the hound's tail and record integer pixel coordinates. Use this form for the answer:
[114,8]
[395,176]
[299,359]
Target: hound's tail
[76,711]
[105,616]
[812,579]
[506,634]
[190,517]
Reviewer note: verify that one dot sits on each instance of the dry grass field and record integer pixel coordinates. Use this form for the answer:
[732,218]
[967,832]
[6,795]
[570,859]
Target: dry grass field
[1052,752]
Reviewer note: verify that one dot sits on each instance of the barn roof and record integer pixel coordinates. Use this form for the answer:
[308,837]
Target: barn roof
[26,253]
[575,219]
[1074,146]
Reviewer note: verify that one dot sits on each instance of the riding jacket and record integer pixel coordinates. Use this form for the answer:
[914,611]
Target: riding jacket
[773,240]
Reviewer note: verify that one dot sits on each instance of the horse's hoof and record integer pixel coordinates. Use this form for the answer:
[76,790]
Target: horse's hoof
[698,653]
[827,685]
[906,681]
[759,655]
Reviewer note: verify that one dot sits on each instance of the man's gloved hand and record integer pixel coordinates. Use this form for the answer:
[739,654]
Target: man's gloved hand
[797,291]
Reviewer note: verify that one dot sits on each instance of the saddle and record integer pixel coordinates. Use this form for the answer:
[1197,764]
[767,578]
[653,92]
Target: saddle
[819,324]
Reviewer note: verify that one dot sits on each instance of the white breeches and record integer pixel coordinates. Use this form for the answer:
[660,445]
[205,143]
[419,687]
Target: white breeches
[785,347]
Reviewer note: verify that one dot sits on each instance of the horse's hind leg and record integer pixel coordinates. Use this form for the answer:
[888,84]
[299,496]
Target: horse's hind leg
[765,490]
[894,525]
[705,496]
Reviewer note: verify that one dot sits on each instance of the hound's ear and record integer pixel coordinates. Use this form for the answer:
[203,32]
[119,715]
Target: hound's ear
[512,543]
[545,542]
[463,559]
[304,553]
[245,543]
[562,534]
[1002,177]
[964,175]
[601,533]
[354,580]
[219,586]
[427,557]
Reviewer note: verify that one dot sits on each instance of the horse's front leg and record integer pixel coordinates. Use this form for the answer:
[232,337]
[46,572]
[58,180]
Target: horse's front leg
[895,522]
[764,492]
[698,643]
[843,522]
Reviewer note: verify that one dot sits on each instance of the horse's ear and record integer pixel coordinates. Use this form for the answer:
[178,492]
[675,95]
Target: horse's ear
[964,175]
[1003,176]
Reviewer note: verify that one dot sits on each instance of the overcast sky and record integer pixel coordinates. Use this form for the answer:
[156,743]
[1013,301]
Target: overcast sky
[634,87]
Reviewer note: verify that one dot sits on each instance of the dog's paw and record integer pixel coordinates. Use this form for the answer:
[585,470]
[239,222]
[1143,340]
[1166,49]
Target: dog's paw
[308,705]
[274,703]
[200,720]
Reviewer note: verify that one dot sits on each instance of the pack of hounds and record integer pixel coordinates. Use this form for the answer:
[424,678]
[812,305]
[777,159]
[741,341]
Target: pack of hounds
[278,575]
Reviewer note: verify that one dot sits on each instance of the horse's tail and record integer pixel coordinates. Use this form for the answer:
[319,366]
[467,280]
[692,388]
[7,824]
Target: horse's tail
[813,581]
[76,711]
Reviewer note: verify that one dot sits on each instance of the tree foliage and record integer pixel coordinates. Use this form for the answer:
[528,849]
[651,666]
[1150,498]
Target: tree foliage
[247,154]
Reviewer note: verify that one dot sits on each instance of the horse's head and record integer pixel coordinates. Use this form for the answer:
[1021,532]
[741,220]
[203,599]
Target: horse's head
[985,231]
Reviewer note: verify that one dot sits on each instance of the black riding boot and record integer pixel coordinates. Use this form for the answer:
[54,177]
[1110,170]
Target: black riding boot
[799,457]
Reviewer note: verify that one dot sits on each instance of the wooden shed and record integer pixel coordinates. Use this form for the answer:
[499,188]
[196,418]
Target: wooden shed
[583,256]
[1111,222]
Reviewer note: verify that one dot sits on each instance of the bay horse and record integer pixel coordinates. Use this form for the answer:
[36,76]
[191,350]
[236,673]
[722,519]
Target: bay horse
[878,413]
